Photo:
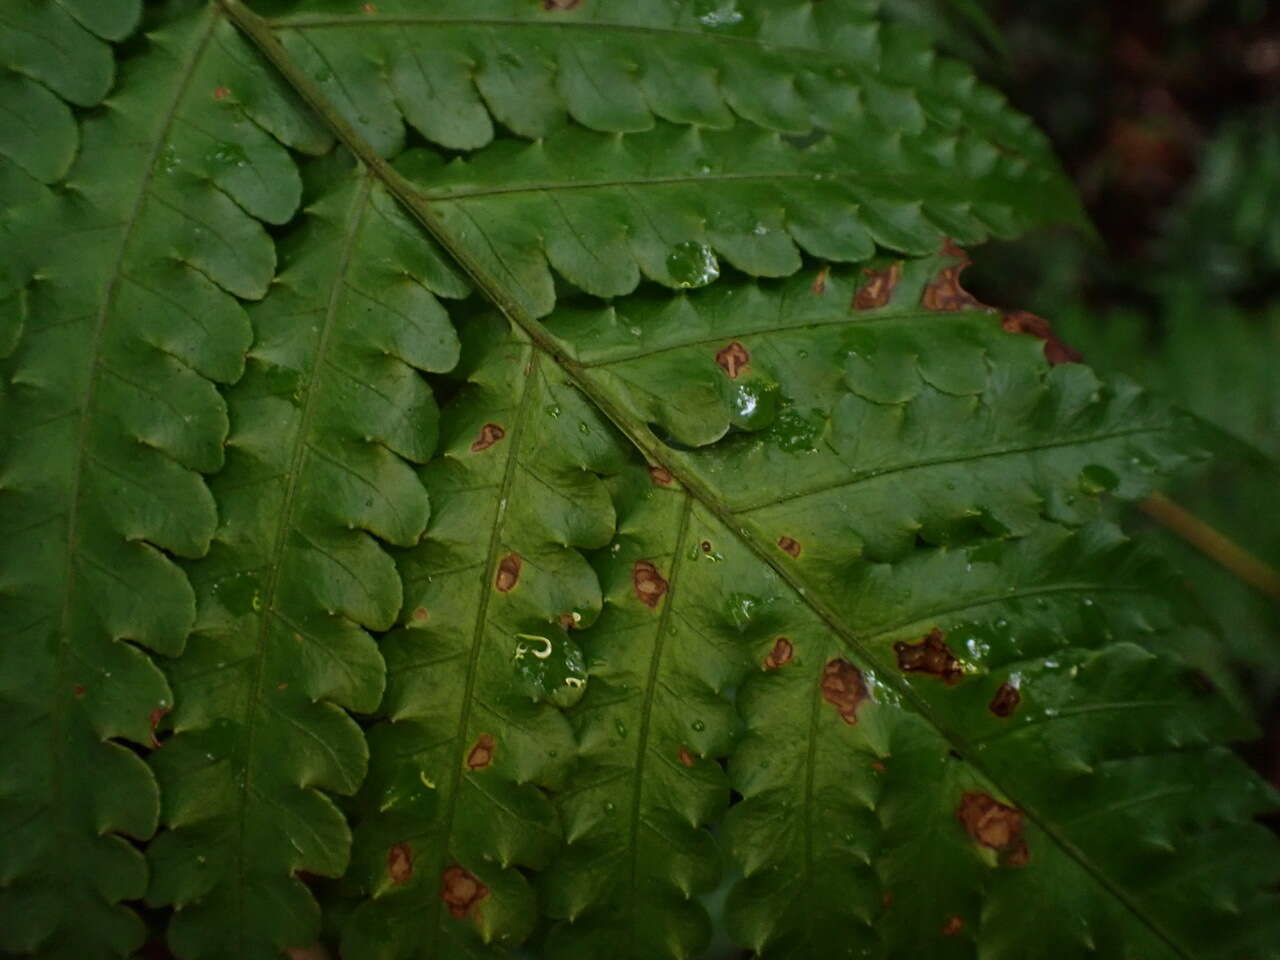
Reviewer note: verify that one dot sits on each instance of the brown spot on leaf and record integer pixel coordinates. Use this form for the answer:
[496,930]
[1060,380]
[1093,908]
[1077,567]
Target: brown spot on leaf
[705,546]
[782,652]
[789,546]
[686,757]
[660,476]
[1055,351]
[78,690]
[878,767]
[887,899]
[400,863]
[819,285]
[282,686]
[221,93]
[878,289]
[733,358]
[648,583]
[481,754]
[994,825]
[460,891]
[369,8]
[567,621]
[420,614]
[945,292]
[154,717]
[931,655]
[1005,701]
[844,688]
[560,4]
[490,434]
[508,573]
[954,925]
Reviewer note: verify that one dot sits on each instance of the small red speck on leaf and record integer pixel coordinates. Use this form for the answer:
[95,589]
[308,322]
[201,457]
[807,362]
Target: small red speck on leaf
[221,93]
[155,716]
[819,285]
[844,688]
[686,757]
[78,690]
[878,290]
[953,926]
[732,359]
[660,476]
[648,583]
[508,573]
[931,655]
[461,891]
[481,754]
[782,652]
[400,863]
[490,434]
[369,8]
[420,614]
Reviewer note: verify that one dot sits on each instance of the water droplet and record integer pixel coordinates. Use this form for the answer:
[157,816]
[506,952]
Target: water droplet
[692,264]
[718,14]
[699,726]
[635,331]
[553,410]
[583,428]
[551,669]
[760,230]
[1096,479]
[225,156]
[620,727]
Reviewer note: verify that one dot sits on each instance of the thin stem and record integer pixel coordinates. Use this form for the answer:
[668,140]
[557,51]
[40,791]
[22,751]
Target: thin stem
[1224,551]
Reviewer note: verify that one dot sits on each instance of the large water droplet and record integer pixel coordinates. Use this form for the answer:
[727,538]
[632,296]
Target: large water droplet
[718,14]
[1096,479]
[692,264]
[552,669]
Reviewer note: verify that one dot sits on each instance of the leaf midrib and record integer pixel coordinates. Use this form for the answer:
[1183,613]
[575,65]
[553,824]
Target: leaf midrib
[355,220]
[62,689]
[259,31]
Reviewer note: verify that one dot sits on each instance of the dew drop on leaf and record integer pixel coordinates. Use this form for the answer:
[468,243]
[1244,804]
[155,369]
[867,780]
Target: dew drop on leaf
[1096,479]
[551,669]
[692,264]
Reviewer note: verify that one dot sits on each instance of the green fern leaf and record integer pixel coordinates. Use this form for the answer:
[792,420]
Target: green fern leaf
[799,586]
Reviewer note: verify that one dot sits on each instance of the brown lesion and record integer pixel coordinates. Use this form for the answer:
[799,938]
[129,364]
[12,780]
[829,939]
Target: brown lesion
[1055,350]
[819,285]
[790,546]
[481,755]
[400,863]
[994,825]
[844,688]
[878,290]
[930,655]
[461,890]
[154,718]
[953,926]
[660,476]
[781,654]
[648,583]
[732,359]
[490,434]
[1005,701]
[946,294]
[686,758]
[508,573]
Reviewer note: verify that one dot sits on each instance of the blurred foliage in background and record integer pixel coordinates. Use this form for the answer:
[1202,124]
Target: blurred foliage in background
[1168,116]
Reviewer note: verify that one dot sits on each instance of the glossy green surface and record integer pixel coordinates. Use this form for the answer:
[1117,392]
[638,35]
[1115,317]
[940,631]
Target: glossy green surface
[453,631]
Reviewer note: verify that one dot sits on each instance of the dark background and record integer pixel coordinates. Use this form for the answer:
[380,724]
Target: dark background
[1167,116]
